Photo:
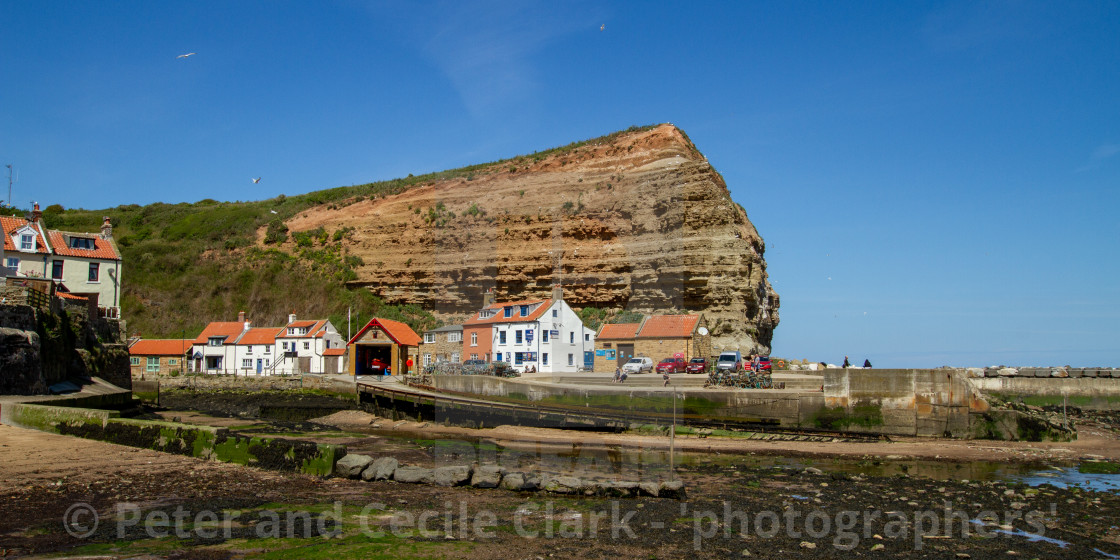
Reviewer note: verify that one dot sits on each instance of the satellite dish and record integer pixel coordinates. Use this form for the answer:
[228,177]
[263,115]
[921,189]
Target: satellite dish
[703,331]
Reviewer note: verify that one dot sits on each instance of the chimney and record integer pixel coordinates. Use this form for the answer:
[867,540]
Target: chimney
[488,298]
[291,318]
[240,316]
[557,292]
[106,229]
[36,213]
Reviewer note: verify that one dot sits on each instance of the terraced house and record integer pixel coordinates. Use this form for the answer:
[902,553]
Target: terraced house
[532,335]
[158,356]
[238,348]
[86,265]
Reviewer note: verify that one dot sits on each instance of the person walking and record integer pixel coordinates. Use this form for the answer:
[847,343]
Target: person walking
[665,376]
[617,374]
[847,364]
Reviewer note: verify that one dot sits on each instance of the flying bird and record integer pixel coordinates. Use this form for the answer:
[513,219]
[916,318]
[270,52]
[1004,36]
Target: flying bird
[257,180]
[185,55]
[602,27]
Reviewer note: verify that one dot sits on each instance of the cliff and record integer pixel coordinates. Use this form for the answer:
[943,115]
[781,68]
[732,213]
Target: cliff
[637,221]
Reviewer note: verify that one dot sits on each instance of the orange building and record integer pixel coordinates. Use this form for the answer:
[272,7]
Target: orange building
[381,347]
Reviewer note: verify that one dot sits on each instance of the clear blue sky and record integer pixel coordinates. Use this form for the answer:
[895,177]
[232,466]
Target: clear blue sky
[937,183]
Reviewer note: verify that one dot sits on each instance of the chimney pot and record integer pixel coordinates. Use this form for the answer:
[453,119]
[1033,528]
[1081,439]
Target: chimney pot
[291,318]
[240,316]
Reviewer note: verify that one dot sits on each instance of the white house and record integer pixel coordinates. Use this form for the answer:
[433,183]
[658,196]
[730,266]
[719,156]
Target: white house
[239,348]
[544,335]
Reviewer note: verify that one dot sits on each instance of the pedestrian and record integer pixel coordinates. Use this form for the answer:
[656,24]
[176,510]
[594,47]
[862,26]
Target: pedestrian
[665,376]
[617,374]
[846,363]
[622,379]
[867,364]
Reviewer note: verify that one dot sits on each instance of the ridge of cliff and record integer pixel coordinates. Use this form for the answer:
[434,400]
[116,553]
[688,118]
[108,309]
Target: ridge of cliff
[636,221]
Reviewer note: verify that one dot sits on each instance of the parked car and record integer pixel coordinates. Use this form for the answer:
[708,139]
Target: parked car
[764,364]
[696,365]
[671,365]
[730,361]
[638,364]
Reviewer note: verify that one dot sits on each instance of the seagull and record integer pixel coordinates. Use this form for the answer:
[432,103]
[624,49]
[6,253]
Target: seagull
[257,180]
[602,27]
[185,55]
[273,211]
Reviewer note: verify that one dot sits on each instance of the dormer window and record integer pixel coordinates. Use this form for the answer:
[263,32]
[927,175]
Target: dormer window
[82,243]
[215,340]
[508,311]
[27,242]
[524,310]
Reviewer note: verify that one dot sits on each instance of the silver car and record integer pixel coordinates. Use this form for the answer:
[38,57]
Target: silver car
[639,364]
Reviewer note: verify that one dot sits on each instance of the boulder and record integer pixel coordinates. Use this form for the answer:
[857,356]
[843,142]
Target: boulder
[563,485]
[1076,372]
[413,475]
[619,488]
[351,466]
[1115,373]
[1090,373]
[487,476]
[975,372]
[1059,373]
[451,476]
[652,489]
[1008,372]
[515,481]
[672,489]
[380,469]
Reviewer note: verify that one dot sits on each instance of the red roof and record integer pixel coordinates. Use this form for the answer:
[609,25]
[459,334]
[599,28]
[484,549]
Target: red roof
[11,224]
[669,326]
[618,331]
[230,330]
[102,248]
[68,295]
[515,315]
[312,329]
[160,347]
[260,335]
[401,333]
[334,351]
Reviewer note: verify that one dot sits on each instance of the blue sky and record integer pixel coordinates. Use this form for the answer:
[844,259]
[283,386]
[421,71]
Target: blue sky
[937,182]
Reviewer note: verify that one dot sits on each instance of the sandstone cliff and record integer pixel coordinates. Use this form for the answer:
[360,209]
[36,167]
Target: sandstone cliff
[639,221]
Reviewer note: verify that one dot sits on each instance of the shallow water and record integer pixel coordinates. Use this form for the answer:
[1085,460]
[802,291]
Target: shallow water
[1066,477]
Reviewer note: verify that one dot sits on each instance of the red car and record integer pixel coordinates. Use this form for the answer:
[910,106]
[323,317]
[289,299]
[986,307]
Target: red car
[696,365]
[671,365]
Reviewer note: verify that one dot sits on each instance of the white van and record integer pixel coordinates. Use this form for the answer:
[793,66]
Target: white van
[730,361]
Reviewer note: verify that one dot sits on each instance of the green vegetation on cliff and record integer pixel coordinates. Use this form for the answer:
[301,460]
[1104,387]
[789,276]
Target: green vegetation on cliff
[188,264]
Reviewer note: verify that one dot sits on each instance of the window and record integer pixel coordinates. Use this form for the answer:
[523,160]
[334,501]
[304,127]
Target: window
[56,270]
[172,362]
[501,337]
[508,312]
[587,337]
[571,359]
[455,337]
[544,358]
[134,360]
[518,358]
[153,364]
[306,345]
[544,335]
[555,312]
[606,345]
[215,341]
[247,363]
[454,357]
[249,349]
[571,337]
[474,339]
[81,243]
[524,310]
[517,336]
[94,272]
[285,346]
[27,242]
[13,263]
[474,356]
[267,349]
[429,338]
[427,359]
